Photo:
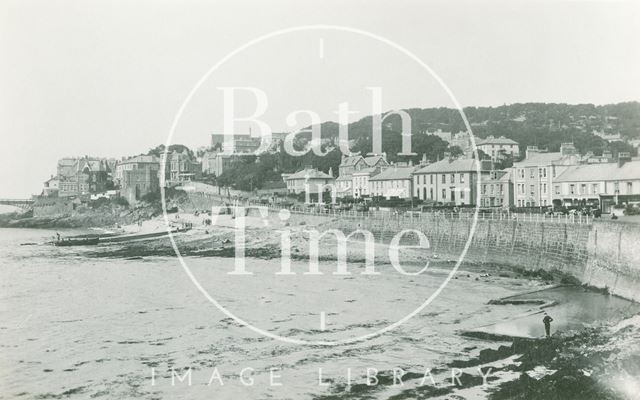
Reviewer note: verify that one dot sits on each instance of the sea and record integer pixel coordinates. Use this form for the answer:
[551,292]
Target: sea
[74,325]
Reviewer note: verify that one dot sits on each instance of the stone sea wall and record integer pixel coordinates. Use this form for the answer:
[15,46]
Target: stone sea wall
[601,254]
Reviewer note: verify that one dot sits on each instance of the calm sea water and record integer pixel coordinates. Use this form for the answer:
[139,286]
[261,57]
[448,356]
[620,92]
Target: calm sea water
[72,326]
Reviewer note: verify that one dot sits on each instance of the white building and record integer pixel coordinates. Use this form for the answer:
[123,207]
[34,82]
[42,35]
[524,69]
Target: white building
[534,176]
[348,165]
[493,146]
[360,181]
[600,185]
[308,180]
[450,181]
[395,181]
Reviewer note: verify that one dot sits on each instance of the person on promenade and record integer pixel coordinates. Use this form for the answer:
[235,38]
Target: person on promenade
[547,324]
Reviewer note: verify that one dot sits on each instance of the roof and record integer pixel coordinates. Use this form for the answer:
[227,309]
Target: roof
[601,172]
[499,140]
[365,171]
[67,161]
[175,155]
[309,174]
[458,165]
[501,176]
[352,160]
[141,159]
[536,159]
[394,173]
[71,166]
[373,160]
[506,177]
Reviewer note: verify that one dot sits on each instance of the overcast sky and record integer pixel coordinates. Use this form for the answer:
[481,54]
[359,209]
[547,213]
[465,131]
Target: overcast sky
[106,78]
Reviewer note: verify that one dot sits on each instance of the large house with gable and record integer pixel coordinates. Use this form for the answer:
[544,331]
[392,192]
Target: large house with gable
[83,175]
[352,164]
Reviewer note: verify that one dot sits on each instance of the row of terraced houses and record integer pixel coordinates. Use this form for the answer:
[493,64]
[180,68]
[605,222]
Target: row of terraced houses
[541,179]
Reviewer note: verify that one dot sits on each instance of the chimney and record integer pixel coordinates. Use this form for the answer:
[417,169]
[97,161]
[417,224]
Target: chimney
[623,157]
[567,149]
[531,150]
[424,159]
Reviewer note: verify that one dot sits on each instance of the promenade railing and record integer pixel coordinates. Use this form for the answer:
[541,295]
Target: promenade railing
[319,210]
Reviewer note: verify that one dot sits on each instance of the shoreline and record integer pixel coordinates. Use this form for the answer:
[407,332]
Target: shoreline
[573,363]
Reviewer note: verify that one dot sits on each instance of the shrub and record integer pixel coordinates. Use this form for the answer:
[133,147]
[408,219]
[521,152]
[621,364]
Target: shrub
[120,201]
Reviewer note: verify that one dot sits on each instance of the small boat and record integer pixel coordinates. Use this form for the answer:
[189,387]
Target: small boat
[77,242]
[139,236]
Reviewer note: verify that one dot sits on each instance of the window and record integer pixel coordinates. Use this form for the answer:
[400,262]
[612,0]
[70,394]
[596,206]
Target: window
[629,187]
[532,173]
[431,179]
[594,188]
[484,189]
[491,187]
[532,189]
[462,195]
[572,189]
[539,171]
[557,189]
[583,189]
[453,178]
[444,194]
[544,188]
[444,178]
[453,195]
[544,172]
[430,193]
[461,178]
[616,187]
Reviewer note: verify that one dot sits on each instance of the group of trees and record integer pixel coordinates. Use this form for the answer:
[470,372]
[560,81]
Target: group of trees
[252,172]
[530,124]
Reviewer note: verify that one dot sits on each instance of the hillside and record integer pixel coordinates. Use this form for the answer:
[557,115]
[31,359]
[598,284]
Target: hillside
[543,124]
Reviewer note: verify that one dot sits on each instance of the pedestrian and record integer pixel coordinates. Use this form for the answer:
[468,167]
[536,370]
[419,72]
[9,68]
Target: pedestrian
[58,235]
[547,324]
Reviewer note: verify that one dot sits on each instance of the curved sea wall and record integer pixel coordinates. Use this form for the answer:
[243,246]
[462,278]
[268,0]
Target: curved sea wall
[601,254]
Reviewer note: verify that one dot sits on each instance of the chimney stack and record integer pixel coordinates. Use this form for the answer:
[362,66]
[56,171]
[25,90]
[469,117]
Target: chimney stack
[568,149]
[531,150]
[623,157]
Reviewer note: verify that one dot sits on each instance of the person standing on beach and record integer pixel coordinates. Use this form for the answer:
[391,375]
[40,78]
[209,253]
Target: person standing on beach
[547,324]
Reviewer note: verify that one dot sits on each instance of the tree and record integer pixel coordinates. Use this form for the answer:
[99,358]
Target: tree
[158,151]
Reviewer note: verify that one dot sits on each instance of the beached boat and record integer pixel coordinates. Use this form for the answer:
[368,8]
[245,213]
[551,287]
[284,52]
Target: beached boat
[138,236]
[76,242]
